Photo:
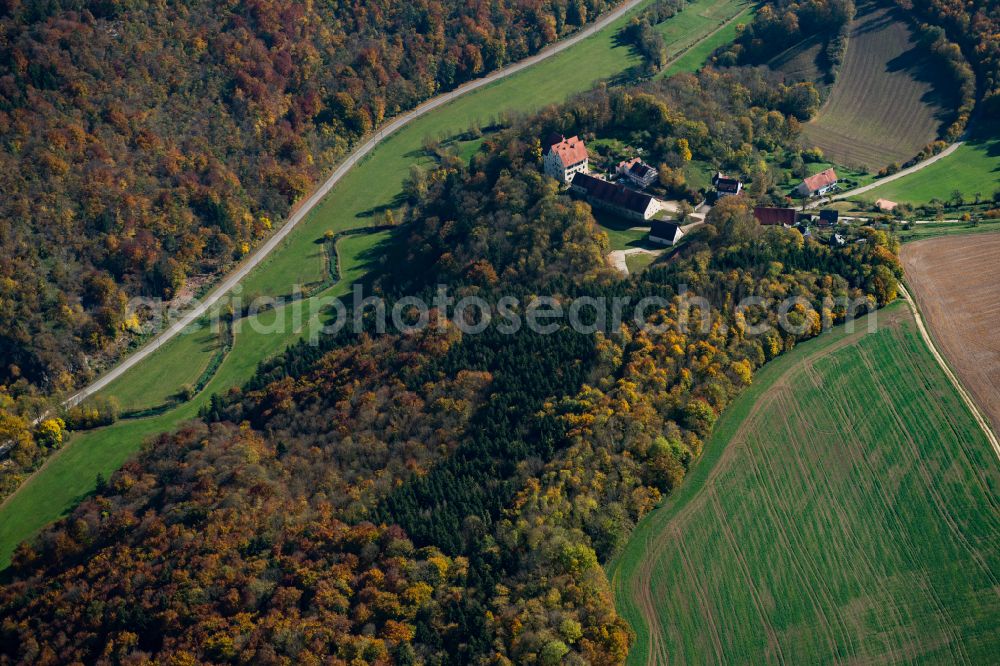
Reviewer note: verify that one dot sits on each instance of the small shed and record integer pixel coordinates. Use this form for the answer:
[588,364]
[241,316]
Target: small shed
[665,233]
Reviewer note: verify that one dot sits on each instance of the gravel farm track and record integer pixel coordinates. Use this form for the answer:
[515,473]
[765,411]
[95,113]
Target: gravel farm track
[955,282]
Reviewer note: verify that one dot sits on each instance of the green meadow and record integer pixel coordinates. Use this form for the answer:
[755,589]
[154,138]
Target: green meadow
[179,363]
[690,57]
[973,169]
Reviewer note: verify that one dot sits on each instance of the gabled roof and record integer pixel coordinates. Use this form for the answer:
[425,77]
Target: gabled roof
[725,183]
[637,168]
[570,151]
[551,140]
[612,193]
[662,229]
[774,216]
[830,216]
[821,180]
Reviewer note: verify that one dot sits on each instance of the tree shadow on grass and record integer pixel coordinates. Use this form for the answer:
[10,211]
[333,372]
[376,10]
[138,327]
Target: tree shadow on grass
[396,202]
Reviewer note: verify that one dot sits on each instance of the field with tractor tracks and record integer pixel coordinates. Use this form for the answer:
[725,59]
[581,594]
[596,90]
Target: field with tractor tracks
[957,287]
[845,510]
[885,105]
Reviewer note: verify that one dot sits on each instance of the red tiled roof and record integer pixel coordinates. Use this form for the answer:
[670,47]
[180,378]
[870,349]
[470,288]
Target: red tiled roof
[774,216]
[821,180]
[551,140]
[570,151]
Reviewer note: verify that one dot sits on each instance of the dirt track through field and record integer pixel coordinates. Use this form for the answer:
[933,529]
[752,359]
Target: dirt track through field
[956,282]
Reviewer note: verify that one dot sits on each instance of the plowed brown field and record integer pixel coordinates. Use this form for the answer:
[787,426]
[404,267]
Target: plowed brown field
[884,106]
[956,282]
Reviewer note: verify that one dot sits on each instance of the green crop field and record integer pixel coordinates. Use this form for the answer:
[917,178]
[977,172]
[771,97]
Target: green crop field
[972,169]
[884,107]
[937,229]
[845,510]
[355,202]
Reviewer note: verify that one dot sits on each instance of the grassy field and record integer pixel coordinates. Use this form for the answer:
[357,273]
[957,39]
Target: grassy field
[180,362]
[844,510]
[973,168]
[637,263]
[884,106]
[623,234]
[357,201]
[688,45]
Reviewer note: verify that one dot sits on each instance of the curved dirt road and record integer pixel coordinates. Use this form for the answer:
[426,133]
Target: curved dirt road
[305,207]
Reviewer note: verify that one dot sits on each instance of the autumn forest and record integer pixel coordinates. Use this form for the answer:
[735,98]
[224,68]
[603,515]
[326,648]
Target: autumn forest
[411,497]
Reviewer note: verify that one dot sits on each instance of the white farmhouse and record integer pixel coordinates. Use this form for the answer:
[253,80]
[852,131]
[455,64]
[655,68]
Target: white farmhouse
[818,185]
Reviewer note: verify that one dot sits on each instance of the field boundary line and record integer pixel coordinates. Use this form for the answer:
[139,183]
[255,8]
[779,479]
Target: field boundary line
[684,51]
[979,417]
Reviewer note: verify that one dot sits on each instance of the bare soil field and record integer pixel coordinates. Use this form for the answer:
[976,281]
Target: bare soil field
[956,282]
[884,107]
[800,62]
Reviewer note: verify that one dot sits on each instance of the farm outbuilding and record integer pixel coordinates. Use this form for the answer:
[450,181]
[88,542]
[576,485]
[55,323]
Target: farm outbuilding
[665,233]
[638,172]
[726,186]
[615,197]
[773,217]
